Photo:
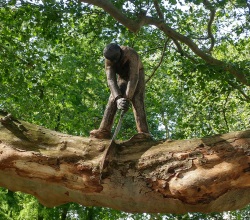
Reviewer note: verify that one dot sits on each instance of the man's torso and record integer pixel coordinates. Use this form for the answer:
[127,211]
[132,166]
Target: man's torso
[122,68]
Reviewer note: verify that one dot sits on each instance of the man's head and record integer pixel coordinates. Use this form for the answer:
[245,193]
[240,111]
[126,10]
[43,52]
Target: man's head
[112,52]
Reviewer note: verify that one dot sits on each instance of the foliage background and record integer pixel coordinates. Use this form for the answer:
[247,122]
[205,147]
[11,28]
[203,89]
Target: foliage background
[51,74]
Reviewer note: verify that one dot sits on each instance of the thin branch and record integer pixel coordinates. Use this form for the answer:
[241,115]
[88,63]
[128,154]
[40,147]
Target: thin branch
[210,34]
[210,22]
[158,10]
[158,65]
[182,52]
[179,48]
[247,98]
[153,49]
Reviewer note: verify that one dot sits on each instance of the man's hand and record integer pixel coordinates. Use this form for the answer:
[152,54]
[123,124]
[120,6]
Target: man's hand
[123,104]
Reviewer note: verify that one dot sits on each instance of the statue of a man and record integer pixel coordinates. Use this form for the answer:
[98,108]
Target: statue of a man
[126,80]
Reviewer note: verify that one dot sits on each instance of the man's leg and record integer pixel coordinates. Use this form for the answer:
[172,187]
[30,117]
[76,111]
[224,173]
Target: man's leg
[138,105]
[139,109]
[104,131]
[140,113]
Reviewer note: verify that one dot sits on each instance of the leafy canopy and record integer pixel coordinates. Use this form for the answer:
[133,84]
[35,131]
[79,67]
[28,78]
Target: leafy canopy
[52,74]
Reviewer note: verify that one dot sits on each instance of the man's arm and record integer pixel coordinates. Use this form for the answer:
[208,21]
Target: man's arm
[133,75]
[112,82]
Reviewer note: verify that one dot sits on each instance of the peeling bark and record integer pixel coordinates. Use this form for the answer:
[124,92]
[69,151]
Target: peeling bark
[198,175]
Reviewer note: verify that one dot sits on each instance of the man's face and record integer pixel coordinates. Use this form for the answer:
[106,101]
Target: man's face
[115,59]
[113,55]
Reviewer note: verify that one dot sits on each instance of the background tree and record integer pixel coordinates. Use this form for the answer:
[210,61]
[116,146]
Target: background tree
[196,55]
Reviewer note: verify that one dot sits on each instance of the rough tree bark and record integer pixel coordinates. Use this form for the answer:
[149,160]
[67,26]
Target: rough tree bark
[198,175]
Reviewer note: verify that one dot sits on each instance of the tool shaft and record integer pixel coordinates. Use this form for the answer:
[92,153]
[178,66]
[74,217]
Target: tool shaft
[118,127]
[112,143]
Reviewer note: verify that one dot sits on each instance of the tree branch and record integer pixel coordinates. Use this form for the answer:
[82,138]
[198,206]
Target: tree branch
[135,25]
[107,6]
[182,52]
[206,57]
[247,98]
[161,59]
[159,12]
[197,175]
[210,22]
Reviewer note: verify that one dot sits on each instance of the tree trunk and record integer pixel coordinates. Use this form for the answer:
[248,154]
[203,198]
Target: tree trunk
[210,174]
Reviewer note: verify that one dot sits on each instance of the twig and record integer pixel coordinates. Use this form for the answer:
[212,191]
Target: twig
[158,65]
[210,22]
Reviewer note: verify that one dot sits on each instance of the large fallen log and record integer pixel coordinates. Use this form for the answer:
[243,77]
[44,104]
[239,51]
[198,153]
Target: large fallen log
[210,174]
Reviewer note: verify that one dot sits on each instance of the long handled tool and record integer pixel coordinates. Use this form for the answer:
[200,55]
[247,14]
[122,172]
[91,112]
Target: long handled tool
[111,148]
[118,127]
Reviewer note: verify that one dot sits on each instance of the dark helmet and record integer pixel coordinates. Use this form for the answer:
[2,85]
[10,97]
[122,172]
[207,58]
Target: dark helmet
[112,52]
